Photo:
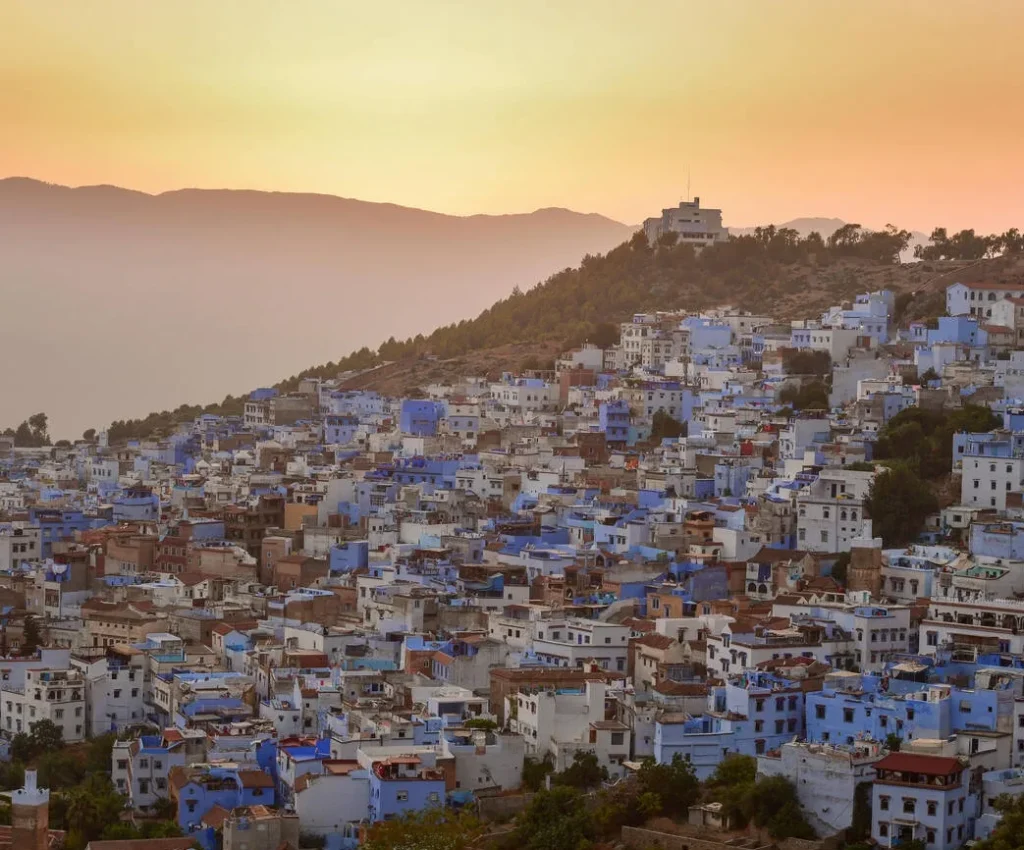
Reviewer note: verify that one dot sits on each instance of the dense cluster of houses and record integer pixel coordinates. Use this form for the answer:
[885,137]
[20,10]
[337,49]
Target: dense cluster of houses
[340,607]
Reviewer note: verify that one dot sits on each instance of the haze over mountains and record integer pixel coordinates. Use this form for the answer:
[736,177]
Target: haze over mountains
[193,294]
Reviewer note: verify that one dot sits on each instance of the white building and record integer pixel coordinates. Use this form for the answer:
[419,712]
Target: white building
[573,642]
[54,695]
[19,545]
[693,225]
[826,778]
[985,481]
[565,722]
[977,299]
[830,513]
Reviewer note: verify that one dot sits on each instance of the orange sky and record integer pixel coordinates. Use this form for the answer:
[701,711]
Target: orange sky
[875,111]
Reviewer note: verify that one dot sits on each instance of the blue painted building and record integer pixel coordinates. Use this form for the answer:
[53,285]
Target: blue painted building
[613,420]
[751,716]
[402,784]
[420,418]
[348,556]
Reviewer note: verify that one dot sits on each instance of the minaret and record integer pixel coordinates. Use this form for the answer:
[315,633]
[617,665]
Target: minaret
[865,571]
[30,815]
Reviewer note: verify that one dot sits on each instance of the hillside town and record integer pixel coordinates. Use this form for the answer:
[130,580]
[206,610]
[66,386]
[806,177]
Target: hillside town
[722,536]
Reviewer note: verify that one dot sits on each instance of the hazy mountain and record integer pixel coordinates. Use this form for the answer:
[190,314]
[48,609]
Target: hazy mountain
[827,226]
[118,302]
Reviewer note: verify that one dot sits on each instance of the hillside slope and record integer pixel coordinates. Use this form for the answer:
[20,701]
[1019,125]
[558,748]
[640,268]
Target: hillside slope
[787,281]
[124,302]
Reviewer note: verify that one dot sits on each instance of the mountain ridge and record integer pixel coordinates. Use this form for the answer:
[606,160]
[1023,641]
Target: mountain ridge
[194,292]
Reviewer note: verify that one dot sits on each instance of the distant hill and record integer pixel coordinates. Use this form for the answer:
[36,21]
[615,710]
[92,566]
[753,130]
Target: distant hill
[117,302]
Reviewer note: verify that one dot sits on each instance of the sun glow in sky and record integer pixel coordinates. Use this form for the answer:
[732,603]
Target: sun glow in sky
[909,111]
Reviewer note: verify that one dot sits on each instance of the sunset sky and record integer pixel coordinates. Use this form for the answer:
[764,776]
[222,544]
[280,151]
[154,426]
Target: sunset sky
[876,111]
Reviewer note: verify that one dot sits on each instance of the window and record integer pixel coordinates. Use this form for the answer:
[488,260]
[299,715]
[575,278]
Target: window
[758,725]
[759,747]
[401,796]
[910,714]
[909,805]
[433,797]
[819,712]
[847,715]
[759,705]
[883,830]
[932,808]
[929,836]
[618,738]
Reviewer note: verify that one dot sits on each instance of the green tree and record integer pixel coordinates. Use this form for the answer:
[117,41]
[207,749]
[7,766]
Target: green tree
[97,756]
[898,503]
[893,742]
[59,769]
[554,820]
[91,807]
[1008,833]
[46,736]
[89,434]
[584,772]
[731,785]
[675,783]
[22,747]
[536,770]
[772,804]
[860,825]
[733,770]
[30,636]
[841,567]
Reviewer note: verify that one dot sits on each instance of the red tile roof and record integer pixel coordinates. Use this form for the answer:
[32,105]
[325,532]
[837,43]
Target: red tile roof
[925,765]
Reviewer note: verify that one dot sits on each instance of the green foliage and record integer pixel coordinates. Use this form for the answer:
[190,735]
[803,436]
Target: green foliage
[88,810]
[809,396]
[899,502]
[734,769]
[893,742]
[33,433]
[923,439]
[929,375]
[841,567]
[968,245]
[1009,831]
[22,749]
[554,820]
[664,425]
[860,825]
[30,636]
[12,775]
[97,757]
[772,804]
[803,361]
[46,736]
[59,769]
[584,772]
[535,771]
[89,434]
[860,466]
[484,723]
[674,783]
